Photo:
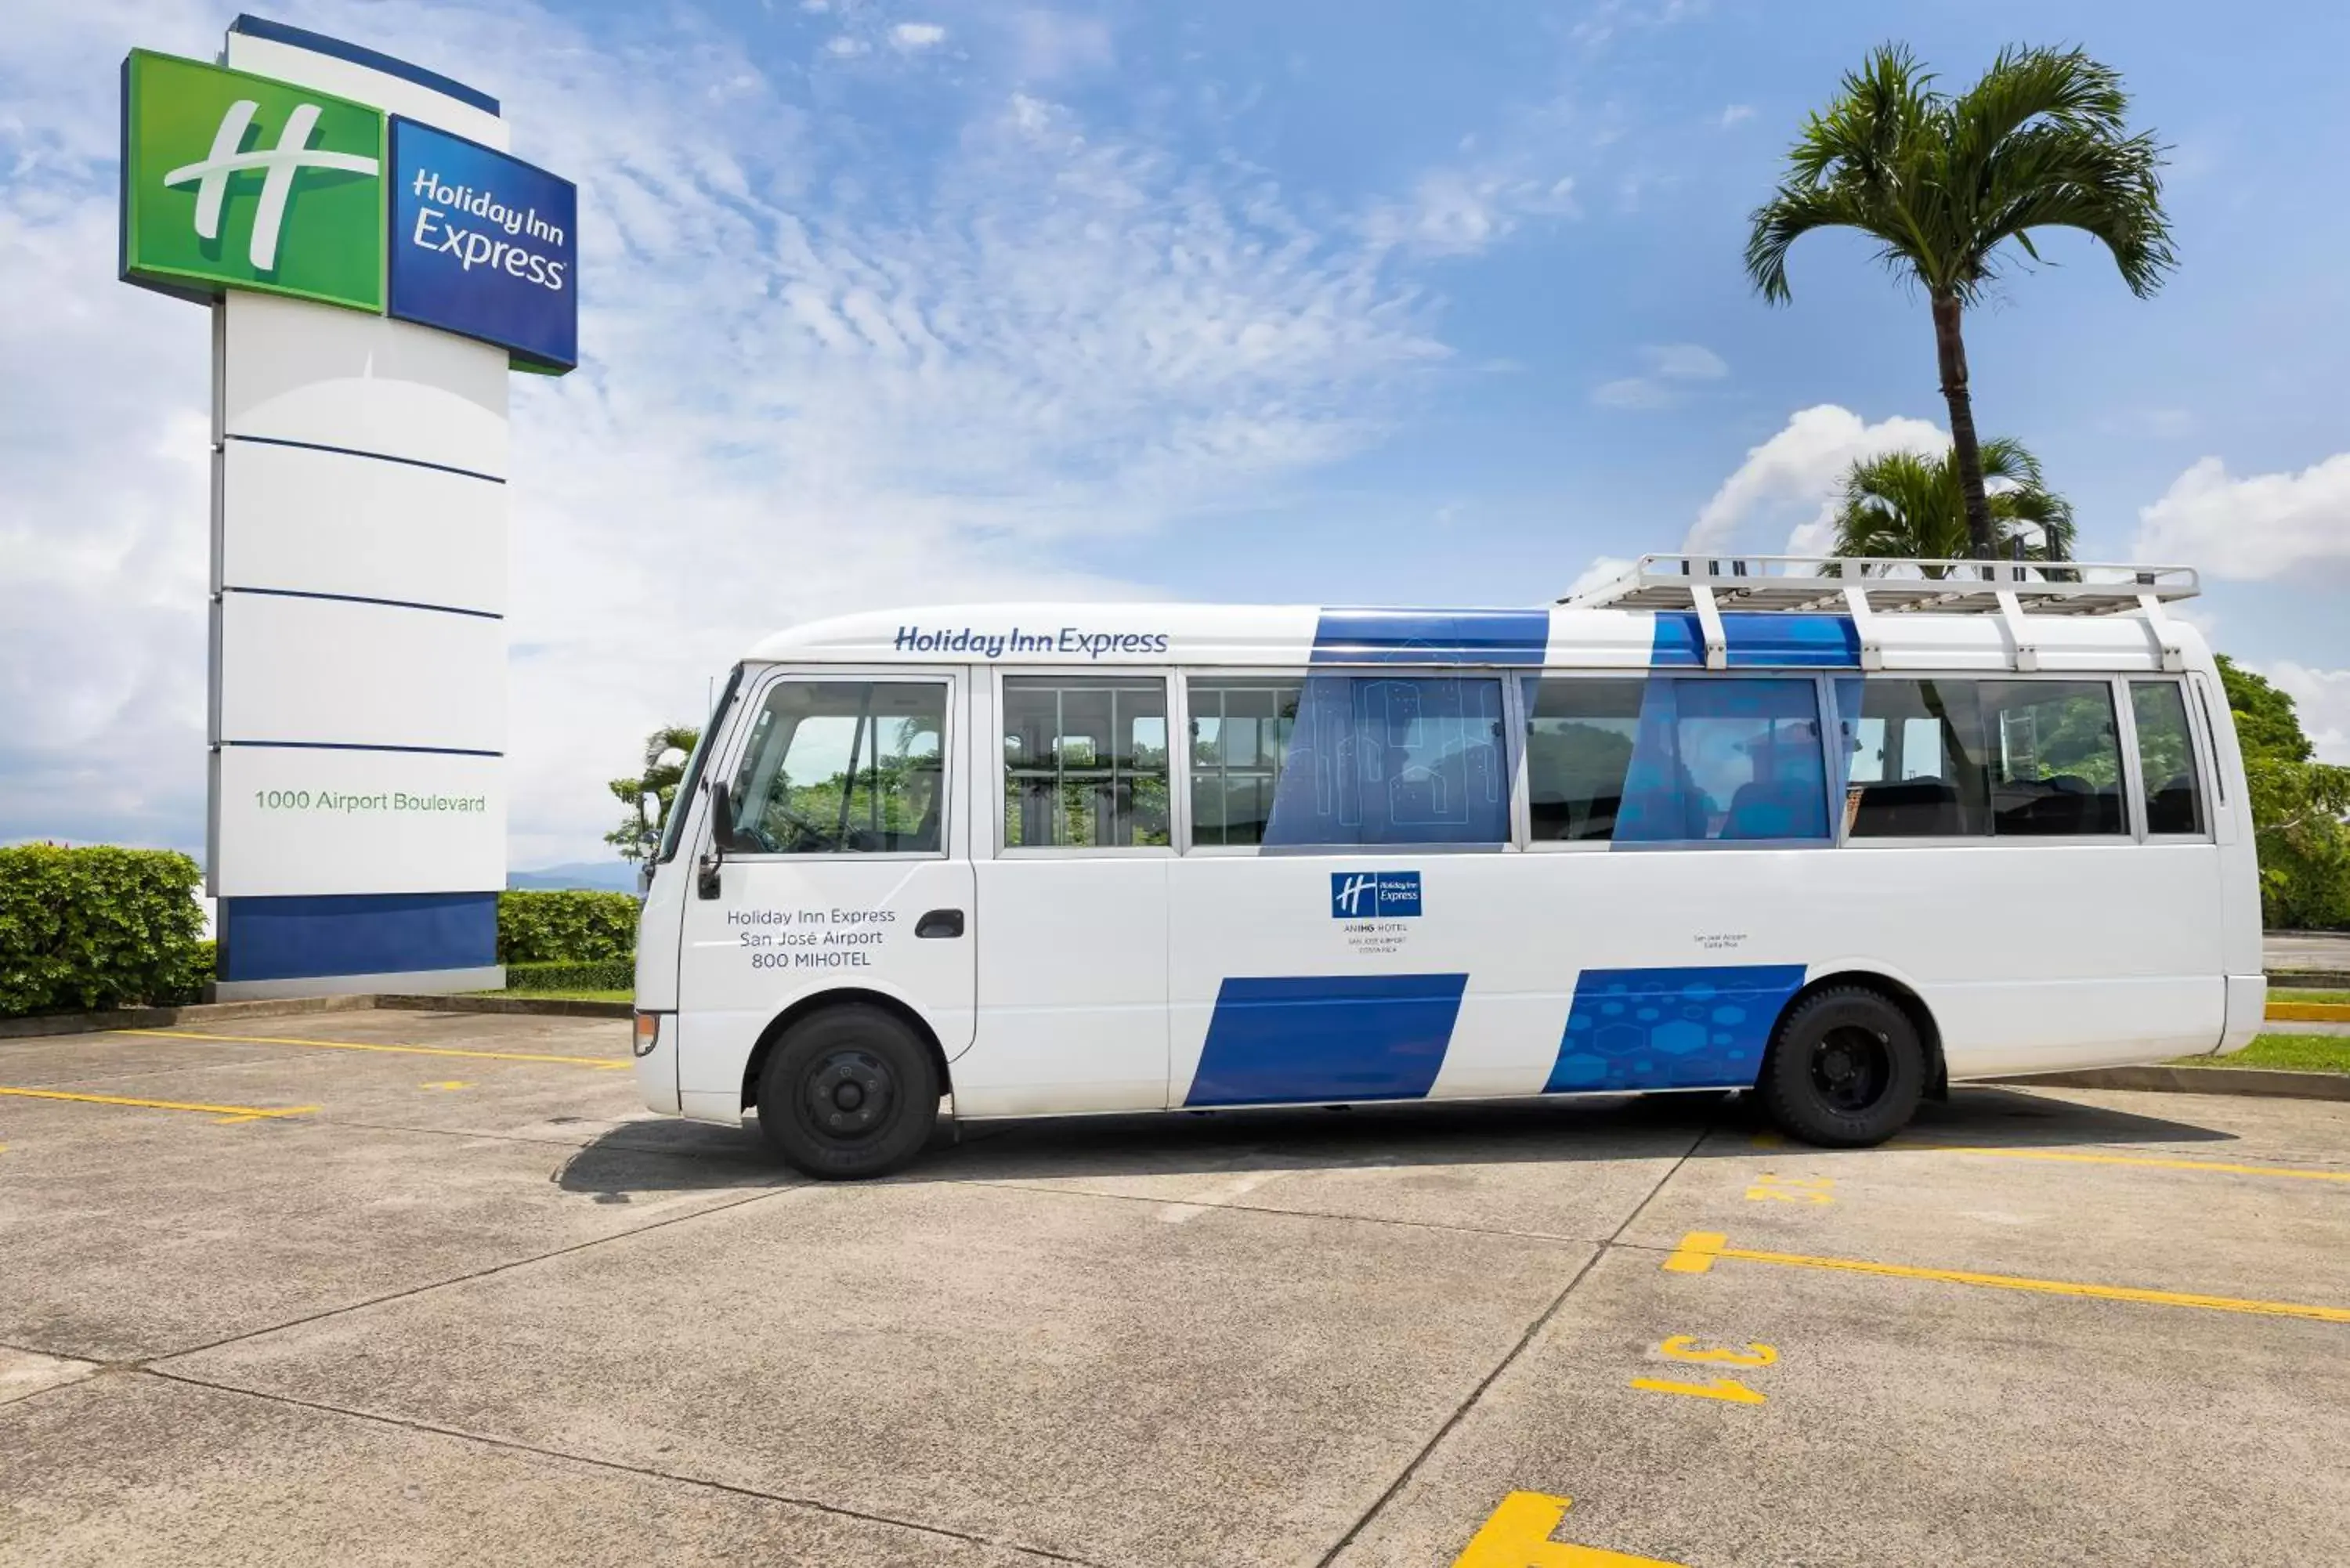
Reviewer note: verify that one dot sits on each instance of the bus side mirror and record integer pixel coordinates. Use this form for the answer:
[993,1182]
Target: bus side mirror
[722,839]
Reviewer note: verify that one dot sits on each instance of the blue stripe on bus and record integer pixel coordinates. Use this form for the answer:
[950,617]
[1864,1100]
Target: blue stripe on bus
[1686,1027]
[1755,638]
[1431,637]
[1327,1037]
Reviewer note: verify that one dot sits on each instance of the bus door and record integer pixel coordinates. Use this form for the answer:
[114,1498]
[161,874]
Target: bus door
[846,867]
[1072,898]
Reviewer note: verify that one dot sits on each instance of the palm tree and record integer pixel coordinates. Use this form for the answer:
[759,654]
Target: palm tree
[1942,183]
[1906,504]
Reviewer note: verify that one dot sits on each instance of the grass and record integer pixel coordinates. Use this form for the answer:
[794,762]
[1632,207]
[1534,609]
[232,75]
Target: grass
[2291,1053]
[2294,993]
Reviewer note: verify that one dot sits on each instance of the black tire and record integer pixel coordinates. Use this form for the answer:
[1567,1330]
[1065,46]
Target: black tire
[1845,1070]
[850,1092]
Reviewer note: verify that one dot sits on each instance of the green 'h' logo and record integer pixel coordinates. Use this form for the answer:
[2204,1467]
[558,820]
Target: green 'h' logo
[235,181]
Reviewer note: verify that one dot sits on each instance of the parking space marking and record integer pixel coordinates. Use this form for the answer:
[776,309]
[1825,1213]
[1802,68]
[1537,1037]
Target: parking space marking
[2071,1157]
[1685,1347]
[448,1084]
[603,1064]
[1518,1536]
[228,1114]
[1700,1249]
[1790,1189]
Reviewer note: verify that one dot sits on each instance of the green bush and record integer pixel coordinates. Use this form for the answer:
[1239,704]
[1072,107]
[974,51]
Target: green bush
[601,975]
[99,927]
[566,927]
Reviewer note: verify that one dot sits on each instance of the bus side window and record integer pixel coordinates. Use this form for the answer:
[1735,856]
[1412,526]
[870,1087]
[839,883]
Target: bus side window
[1918,772]
[1085,763]
[1241,732]
[1725,758]
[2165,758]
[1580,733]
[1393,759]
[2055,758]
[845,767]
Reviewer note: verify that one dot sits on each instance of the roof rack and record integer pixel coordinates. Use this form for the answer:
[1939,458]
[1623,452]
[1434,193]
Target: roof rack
[1866,586]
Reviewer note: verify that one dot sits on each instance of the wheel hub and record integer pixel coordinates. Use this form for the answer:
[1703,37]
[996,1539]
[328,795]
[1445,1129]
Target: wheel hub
[849,1094]
[1851,1067]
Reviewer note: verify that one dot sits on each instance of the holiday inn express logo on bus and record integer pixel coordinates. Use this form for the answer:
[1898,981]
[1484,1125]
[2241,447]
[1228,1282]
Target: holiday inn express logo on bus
[232,180]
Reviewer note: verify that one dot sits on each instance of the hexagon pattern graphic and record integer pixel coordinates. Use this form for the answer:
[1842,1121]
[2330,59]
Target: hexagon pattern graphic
[1703,1026]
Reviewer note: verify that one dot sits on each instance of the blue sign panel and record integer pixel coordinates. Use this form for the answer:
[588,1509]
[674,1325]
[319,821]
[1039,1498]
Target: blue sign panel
[1373,894]
[484,245]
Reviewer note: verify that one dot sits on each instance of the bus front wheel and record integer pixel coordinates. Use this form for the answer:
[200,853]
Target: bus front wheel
[849,1093]
[1845,1070]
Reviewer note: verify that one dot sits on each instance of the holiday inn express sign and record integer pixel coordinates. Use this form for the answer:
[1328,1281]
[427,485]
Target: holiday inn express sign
[232,180]
[376,265]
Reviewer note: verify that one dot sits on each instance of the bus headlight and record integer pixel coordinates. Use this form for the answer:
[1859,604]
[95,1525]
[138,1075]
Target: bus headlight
[648,1033]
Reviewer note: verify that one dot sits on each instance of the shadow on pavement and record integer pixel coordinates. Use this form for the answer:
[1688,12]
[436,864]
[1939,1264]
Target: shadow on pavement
[2006,1118]
[1319,1137]
[670,1155]
[682,1156]
[1496,1133]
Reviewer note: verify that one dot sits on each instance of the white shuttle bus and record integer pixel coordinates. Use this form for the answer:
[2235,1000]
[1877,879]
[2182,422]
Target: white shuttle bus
[1837,835]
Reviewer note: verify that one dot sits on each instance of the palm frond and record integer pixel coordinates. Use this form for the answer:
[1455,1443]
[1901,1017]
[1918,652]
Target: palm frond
[1906,503]
[1943,182]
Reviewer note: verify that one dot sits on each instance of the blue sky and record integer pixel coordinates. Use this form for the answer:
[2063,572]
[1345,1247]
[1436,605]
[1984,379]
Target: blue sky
[904,302]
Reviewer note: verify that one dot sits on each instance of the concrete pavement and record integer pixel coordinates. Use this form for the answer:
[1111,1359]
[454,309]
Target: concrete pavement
[455,1299]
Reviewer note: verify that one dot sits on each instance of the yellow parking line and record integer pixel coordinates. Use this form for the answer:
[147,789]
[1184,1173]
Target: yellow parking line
[1700,1248]
[227,1114]
[605,1064]
[2072,1157]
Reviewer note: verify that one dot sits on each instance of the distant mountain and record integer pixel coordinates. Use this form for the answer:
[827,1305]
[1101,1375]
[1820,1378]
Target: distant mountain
[600,875]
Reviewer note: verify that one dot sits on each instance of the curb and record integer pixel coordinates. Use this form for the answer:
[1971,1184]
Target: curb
[2259,1081]
[2309,980]
[541,1006]
[58,1024]
[165,1017]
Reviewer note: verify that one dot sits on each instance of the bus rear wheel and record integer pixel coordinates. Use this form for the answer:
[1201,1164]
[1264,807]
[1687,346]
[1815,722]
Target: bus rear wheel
[1845,1070]
[849,1093]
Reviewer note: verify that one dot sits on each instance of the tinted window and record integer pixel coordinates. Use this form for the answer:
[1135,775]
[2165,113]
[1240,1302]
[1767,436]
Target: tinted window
[1390,759]
[1725,759]
[1580,735]
[1239,737]
[1085,763]
[1914,759]
[842,767]
[2165,758]
[2054,758]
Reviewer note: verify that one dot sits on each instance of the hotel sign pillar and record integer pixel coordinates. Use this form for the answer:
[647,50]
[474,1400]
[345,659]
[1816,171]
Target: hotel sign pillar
[377,265]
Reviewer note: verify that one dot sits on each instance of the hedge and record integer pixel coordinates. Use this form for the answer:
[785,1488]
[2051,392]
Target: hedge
[99,927]
[566,927]
[601,975]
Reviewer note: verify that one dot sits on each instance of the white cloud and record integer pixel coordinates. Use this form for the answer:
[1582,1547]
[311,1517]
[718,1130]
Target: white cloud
[2263,526]
[1602,570]
[1735,114]
[1671,367]
[1462,212]
[912,36]
[1048,47]
[2322,699]
[794,402]
[843,47]
[1789,481]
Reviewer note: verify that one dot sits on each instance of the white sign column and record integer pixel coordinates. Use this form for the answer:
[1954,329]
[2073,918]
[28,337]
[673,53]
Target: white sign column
[359,549]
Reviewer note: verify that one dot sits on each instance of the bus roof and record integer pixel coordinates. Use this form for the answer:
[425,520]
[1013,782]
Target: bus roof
[1282,637]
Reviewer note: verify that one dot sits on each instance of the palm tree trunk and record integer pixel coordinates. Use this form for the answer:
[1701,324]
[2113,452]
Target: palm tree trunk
[1951,350]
